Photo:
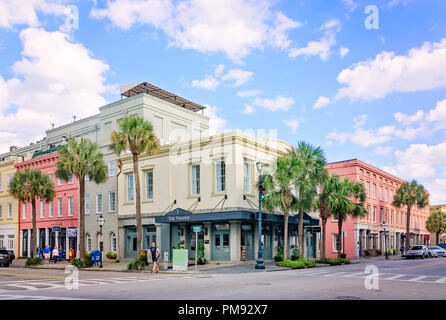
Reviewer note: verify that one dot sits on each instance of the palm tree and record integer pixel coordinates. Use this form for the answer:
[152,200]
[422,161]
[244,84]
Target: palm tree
[81,159]
[27,185]
[410,194]
[436,223]
[324,203]
[137,136]
[309,172]
[349,198]
[279,185]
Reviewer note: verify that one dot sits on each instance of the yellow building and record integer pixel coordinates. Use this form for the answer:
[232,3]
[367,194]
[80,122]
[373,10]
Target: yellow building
[441,208]
[9,218]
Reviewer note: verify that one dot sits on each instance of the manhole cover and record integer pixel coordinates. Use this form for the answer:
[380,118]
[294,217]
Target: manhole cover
[348,298]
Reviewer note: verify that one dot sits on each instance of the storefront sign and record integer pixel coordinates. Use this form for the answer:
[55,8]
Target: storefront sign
[196,228]
[55,229]
[72,232]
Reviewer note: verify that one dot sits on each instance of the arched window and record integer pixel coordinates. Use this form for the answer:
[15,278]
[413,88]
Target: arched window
[113,243]
[88,242]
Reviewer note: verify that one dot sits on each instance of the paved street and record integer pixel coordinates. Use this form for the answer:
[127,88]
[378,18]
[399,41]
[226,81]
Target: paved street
[401,279]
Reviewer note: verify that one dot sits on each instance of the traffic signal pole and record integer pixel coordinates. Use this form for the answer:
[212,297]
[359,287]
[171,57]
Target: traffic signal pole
[260,263]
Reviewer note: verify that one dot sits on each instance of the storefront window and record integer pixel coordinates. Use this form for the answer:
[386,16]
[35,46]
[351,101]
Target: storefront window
[226,240]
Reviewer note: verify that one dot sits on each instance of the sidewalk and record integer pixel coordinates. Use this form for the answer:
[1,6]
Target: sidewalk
[377,258]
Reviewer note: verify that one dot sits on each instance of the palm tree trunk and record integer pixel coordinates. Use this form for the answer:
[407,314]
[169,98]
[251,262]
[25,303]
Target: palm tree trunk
[324,222]
[82,218]
[340,237]
[138,205]
[285,234]
[437,235]
[300,230]
[408,228]
[34,237]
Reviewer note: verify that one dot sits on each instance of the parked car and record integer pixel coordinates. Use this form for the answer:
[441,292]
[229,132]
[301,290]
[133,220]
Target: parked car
[11,256]
[420,251]
[4,258]
[442,246]
[438,250]
[432,253]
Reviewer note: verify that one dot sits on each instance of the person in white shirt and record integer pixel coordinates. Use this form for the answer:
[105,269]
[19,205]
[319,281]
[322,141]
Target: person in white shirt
[55,254]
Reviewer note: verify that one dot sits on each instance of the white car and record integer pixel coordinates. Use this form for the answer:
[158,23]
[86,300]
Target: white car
[440,252]
[419,251]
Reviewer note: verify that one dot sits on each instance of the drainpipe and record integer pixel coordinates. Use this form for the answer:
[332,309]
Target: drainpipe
[118,245]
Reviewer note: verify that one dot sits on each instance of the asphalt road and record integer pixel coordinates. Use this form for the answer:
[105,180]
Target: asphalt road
[401,279]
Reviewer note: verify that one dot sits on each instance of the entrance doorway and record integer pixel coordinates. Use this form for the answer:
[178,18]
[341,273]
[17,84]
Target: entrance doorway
[220,242]
[191,241]
[267,242]
[247,241]
[130,242]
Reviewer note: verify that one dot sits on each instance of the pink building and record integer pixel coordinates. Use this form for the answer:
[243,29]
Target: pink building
[57,221]
[364,236]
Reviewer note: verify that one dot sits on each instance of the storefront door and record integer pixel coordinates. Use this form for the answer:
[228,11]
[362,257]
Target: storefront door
[25,243]
[267,242]
[191,241]
[42,239]
[130,242]
[52,239]
[220,242]
[247,240]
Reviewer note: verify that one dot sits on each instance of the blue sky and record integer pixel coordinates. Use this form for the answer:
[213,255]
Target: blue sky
[309,69]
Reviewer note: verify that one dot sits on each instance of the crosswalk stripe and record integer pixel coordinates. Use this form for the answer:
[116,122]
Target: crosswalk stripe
[441,280]
[395,277]
[417,278]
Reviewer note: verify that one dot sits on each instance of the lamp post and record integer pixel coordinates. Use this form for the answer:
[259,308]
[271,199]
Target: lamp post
[260,264]
[385,239]
[101,222]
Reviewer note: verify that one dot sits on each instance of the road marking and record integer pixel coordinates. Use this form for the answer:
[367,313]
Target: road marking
[31,275]
[441,280]
[424,266]
[417,278]
[395,277]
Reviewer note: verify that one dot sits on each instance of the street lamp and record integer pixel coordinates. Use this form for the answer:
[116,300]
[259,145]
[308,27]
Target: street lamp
[101,222]
[385,239]
[260,264]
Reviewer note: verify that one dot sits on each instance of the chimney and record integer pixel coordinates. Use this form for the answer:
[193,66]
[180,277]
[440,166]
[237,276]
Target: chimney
[12,148]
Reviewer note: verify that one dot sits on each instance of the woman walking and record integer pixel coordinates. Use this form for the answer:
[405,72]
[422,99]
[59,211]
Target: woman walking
[55,254]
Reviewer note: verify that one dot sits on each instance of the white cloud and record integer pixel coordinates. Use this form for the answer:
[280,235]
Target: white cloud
[276,104]
[438,115]
[20,12]
[343,51]
[406,119]
[219,70]
[321,102]
[249,109]
[216,123]
[238,76]
[234,27]
[208,83]
[383,150]
[421,69]
[323,46]
[247,93]
[350,5]
[53,81]
[293,124]
[426,164]
[370,137]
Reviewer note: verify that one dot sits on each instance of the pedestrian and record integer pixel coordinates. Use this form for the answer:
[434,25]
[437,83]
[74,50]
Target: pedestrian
[155,257]
[39,253]
[70,254]
[55,254]
[47,254]
[402,250]
[61,253]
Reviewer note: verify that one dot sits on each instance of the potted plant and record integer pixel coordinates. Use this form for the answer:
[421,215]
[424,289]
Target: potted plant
[200,253]
[111,255]
[394,251]
[279,256]
[294,252]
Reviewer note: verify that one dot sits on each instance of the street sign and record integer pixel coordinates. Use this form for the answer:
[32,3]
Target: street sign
[196,228]
[101,238]
[55,229]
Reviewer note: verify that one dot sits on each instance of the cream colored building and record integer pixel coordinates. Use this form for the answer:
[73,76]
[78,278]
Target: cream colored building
[441,208]
[9,224]
[208,182]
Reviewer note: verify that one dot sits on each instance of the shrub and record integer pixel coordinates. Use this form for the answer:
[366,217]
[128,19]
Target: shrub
[137,264]
[334,262]
[34,261]
[278,257]
[294,252]
[200,253]
[86,263]
[298,264]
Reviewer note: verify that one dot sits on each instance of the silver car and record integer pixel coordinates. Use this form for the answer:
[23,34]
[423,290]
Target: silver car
[440,252]
[419,251]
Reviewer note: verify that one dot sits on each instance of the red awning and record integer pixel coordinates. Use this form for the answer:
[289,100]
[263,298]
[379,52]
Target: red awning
[426,236]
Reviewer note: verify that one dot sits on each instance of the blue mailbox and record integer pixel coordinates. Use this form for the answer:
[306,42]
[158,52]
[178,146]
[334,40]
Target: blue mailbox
[96,257]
